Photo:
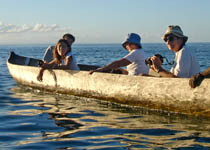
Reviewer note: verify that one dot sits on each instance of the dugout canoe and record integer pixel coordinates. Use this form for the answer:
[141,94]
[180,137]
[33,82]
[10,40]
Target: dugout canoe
[170,94]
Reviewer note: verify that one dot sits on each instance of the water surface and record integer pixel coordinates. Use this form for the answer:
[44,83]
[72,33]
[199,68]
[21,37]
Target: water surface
[32,119]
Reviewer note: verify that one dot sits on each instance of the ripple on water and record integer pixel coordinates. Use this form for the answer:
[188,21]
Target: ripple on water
[42,120]
[31,119]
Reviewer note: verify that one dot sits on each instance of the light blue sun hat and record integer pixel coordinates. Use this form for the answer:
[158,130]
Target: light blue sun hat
[132,38]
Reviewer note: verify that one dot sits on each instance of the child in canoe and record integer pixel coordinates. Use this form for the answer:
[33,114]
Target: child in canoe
[48,56]
[62,59]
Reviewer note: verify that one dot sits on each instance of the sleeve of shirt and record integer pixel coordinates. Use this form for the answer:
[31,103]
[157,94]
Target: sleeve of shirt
[48,55]
[131,56]
[183,66]
[69,54]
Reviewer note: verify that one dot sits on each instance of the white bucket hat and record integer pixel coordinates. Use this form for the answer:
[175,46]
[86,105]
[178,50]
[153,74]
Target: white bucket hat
[175,30]
[132,38]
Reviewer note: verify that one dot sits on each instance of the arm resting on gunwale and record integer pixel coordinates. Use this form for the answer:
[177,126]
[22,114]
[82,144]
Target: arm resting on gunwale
[114,65]
[206,73]
[53,65]
[197,79]
[164,73]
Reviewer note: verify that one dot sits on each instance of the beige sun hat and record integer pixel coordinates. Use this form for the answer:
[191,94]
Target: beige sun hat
[175,30]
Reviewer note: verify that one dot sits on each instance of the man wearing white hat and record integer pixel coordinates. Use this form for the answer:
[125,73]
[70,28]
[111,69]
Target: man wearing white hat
[185,65]
[135,60]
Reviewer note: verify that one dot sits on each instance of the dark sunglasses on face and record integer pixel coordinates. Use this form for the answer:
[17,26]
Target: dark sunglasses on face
[169,38]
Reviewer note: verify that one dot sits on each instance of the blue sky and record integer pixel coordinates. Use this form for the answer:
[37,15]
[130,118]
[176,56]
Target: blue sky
[101,21]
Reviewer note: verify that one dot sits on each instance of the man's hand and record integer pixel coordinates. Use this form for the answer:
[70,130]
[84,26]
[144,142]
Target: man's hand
[196,80]
[91,71]
[156,64]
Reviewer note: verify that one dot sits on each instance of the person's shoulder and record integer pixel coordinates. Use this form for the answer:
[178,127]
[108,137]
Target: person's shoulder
[135,51]
[185,48]
[50,47]
[69,54]
[138,52]
[185,52]
[182,50]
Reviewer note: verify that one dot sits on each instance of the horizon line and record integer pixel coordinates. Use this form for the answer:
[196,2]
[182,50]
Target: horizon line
[19,44]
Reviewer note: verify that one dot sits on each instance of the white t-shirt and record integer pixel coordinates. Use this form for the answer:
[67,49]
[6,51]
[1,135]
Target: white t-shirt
[73,65]
[137,58]
[185,65]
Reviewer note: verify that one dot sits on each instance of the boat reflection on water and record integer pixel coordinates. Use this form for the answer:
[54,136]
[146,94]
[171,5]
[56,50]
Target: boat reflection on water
[77,122]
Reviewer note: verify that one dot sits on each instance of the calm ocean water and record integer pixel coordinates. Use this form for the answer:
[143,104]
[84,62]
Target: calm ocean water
[31,119]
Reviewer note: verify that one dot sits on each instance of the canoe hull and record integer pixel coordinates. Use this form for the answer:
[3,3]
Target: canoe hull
[157,93]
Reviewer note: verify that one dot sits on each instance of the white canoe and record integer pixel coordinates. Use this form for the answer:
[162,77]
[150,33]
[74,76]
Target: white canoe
[170,94]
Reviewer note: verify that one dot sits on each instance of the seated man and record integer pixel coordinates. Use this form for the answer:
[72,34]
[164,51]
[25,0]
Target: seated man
[185,65]
[198,78]
[135,60]
[48,56]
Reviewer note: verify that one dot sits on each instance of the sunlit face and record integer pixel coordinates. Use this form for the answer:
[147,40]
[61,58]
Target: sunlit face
[62,49]
[130,46]
[69,40]
[127,46]
[173,42]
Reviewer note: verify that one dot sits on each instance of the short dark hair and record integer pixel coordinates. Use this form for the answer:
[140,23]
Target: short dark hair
[68,35]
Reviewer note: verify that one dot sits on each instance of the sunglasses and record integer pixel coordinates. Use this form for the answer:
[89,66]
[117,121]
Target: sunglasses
[169,38]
